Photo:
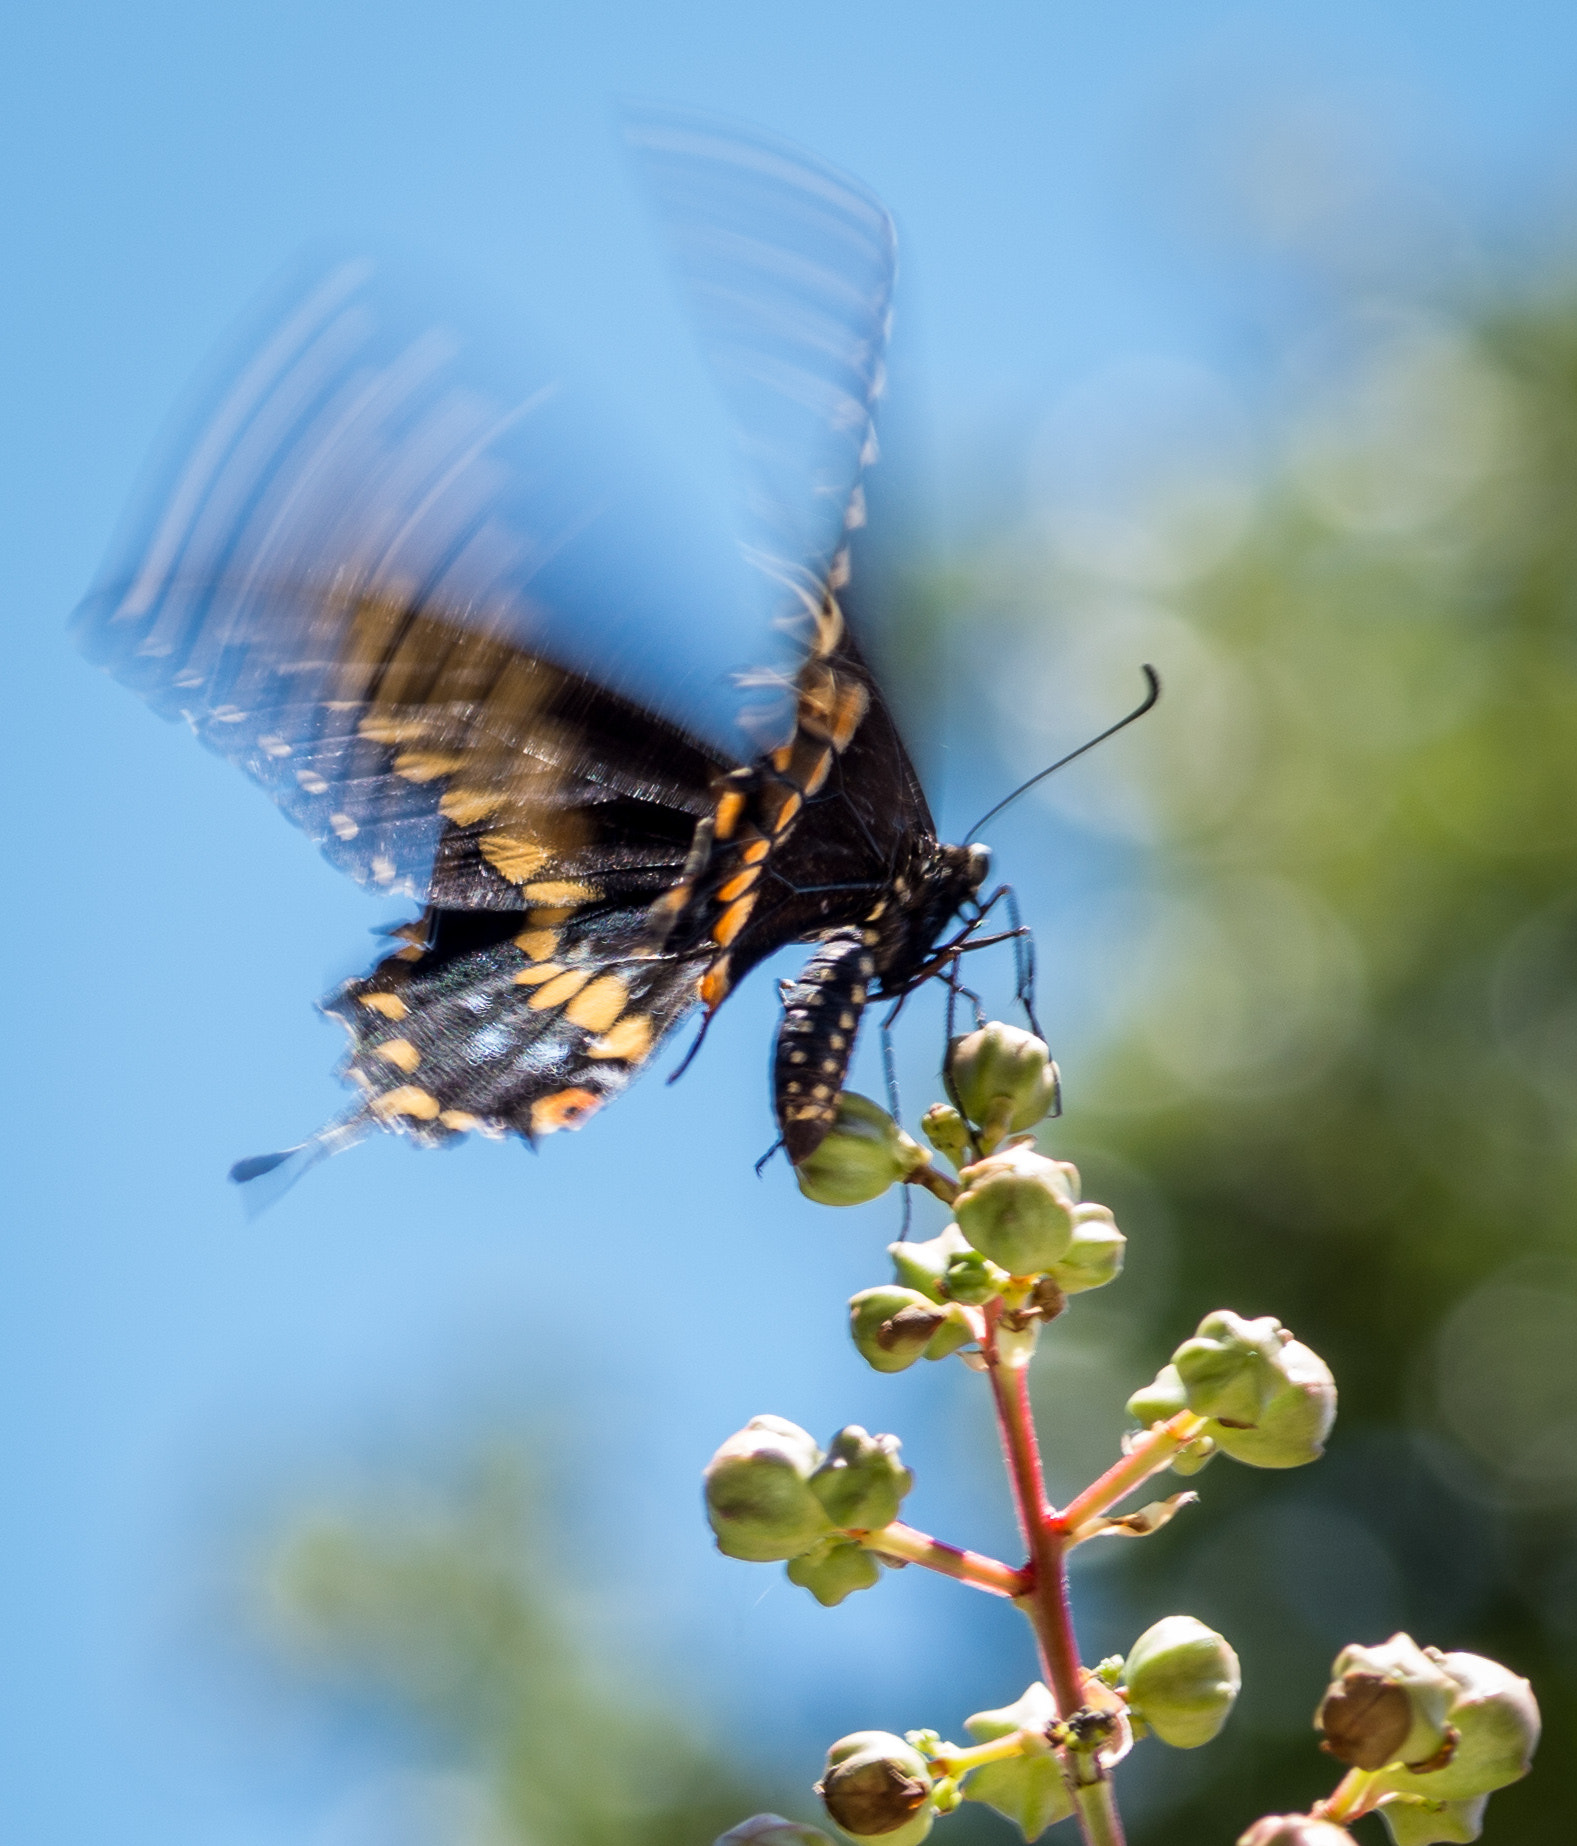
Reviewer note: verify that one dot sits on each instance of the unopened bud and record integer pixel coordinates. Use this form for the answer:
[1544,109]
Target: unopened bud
[862,1483]
[972,1280]
[1003,1078]
[1494,1719]
[1159,1400]
[1293,1425]
[1182,1679]
[771,1830]
[892,1327]
[946,1130]
[1386,1704]
[863,1153]
[758,1497]
[1095,1256]
[835,1568]
[878,1786]
[1295,1830]
[1028,1789]
[1016,1209]
[1228,1366]
[923,1265]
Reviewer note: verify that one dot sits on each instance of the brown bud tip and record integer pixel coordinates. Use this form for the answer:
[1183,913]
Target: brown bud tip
[1365,1719]
[871,1795]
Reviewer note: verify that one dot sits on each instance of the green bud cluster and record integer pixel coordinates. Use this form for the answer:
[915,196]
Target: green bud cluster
[1181,1680]
[876,1786]
[772,1495]
[1268,1399]
[1441,1727]
[864,1152]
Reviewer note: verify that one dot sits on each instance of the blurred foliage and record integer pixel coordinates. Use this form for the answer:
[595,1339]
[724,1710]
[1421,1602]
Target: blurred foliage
[449,1610]
[1347,1084]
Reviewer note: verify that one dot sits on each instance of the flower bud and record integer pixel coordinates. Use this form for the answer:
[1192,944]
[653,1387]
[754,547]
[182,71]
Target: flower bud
[1495,1718]
[1444,1821]
[1295,1830]
[1228,1366]
[1293,1426]
[946,1130]
[771,1830]
[955,1331]
[878,1786]
[1028,1789]
[892,1327]
[835,1568]
[1003,1077]
[1095,1257]
[972,1280]
[1159,1400]
[758,1499]
[1182,1679]
[863,1153]
[923,1265]
[1386,1704]
[1016,1208]
[861,1484]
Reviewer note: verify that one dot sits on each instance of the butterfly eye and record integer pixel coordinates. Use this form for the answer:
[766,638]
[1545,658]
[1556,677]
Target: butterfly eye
[979,865]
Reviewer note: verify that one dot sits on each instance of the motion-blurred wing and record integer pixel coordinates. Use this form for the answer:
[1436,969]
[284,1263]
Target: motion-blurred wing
[789,268]
[403,601]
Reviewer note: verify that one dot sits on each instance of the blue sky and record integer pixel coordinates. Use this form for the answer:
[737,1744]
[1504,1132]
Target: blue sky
[1075,186]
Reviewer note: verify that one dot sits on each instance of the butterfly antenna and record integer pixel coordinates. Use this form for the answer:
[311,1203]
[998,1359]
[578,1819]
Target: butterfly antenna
[1154,681]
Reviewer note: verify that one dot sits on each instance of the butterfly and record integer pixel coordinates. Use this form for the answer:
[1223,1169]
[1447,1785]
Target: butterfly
[406,604]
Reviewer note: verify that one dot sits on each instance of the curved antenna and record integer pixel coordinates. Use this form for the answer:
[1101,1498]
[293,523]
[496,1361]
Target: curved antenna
[1154,681]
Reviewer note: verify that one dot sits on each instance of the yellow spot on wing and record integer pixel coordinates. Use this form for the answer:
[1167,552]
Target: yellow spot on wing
[563,1109]
[399,1051]
[534,977]
[558,991]
[512,856]
[630,1040]
[539,944]
[466,806]
[390,1005]
[559,892]
[597,1006]
[426,765]
[458,1120]
[407,1100]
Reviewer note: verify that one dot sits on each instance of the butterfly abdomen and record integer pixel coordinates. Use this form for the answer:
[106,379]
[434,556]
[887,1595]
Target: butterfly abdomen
[821,1016]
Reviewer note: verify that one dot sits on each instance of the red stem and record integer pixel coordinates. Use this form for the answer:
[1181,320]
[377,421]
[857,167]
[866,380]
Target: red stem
[1046,1602]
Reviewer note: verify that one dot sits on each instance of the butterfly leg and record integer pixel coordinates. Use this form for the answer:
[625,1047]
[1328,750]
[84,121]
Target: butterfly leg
[821,1016]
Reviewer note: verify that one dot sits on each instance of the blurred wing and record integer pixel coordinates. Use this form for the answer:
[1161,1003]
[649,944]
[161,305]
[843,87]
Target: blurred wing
[789,268]
[375,581]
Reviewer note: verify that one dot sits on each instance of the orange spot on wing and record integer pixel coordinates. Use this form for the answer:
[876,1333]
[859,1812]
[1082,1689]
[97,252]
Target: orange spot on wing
[630,1040]
[399,1052]
[729,808]
[738,885]
[390,1005]
[407,1100]
[732,921]
[563,1109]
[512,855]
[596,1007]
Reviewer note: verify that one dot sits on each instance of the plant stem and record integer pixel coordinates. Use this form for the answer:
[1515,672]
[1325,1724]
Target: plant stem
[1149,1455]
[1046,1601]
[973,1567]
[934,1180]
[1350,1798]
[951,1760]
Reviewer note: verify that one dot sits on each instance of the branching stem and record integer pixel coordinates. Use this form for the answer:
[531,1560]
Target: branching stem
[973,1567]
[1150,1453]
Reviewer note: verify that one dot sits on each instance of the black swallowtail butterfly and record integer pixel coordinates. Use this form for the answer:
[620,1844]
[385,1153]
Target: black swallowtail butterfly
[385,594]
